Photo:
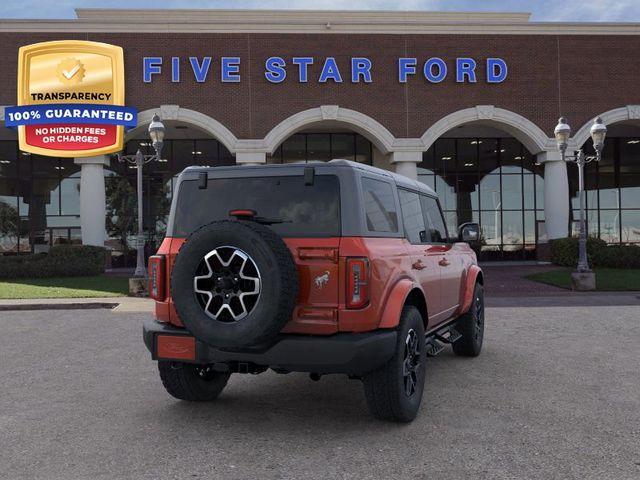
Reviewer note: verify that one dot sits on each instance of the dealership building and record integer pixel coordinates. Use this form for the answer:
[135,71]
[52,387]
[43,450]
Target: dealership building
[464,102]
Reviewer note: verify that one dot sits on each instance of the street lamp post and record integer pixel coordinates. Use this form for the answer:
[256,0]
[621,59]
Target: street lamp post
[598,132]
[156,133]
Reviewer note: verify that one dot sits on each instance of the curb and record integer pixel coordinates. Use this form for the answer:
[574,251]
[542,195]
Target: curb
[58,306]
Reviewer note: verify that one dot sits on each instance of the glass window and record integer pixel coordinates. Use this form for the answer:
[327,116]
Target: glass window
[8,159]
[379,204]
[318,147]
[490,198]
[364,150]
[436,230]
[294,149]
[512,192]
[182,156]
[629,155]
[511,155]
[630,190]
[512,228]
[609,226]
[467,154]
[491,225]
[488,156]
[297,210]
[206,152]
[630,226]
[445,156]
[44,166]
[70,196]
[343,145]
[412,217]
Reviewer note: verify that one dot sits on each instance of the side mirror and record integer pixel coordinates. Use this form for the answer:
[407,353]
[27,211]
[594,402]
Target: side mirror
[469,232]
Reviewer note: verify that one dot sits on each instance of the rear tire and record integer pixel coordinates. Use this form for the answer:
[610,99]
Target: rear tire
[394,391]
[471,326]
[193,383]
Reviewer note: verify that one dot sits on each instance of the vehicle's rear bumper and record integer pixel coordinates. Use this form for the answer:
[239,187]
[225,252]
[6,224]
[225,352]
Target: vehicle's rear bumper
[350,353]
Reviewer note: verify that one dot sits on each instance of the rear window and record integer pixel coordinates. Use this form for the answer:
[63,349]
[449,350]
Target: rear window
[301,210]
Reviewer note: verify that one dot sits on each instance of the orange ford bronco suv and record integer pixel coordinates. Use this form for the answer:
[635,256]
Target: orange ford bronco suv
[323,268]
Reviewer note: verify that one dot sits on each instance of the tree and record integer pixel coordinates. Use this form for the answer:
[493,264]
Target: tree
[9,221]
[122,213]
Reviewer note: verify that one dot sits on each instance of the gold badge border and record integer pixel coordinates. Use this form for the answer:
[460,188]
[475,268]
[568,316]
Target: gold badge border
[71,47]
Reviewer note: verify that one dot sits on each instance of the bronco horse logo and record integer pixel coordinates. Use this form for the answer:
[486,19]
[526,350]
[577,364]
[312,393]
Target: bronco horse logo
[322,280]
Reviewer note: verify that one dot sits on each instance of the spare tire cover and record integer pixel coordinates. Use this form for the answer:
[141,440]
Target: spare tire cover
[234,284]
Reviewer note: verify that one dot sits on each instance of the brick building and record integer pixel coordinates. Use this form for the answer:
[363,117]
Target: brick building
[465,102]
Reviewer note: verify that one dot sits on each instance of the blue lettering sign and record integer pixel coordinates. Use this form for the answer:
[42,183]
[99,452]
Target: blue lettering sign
[230,70]
[496,70]
[151,66]
[465,67]
[330,71]
[200,71]
[428,70]
[360,67]
[175,69]
[275,69]
[406,66]
[303,64]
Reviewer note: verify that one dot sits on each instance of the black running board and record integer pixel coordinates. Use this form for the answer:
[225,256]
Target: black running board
[435,341]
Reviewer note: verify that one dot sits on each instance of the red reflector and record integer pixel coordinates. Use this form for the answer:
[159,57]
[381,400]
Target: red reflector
[357,282]
[242,213]
[175,347]
[157,277]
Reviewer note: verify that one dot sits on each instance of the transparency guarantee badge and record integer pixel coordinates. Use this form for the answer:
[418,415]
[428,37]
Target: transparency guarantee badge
[71,99]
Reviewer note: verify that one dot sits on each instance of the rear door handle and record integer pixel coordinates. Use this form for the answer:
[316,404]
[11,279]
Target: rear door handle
[418,265]
[443,262]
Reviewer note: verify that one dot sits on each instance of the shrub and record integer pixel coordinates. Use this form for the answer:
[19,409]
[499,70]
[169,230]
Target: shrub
[564,252]
[61,261]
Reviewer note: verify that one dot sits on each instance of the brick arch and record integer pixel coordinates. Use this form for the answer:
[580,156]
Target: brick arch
[527,132]
[192,117]
[374,131]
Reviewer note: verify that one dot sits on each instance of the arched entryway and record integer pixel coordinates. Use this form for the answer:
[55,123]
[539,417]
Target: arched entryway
[485,169]
[613,185]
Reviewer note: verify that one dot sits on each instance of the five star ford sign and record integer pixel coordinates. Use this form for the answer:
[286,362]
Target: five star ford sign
[70,99]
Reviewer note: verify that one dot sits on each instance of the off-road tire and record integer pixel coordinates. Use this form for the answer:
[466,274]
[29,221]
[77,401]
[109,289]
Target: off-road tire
[385,388]
[471,326]
[278,288]
[193,383]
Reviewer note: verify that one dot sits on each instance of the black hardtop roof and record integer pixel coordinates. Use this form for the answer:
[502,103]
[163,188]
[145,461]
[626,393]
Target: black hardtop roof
[326,167]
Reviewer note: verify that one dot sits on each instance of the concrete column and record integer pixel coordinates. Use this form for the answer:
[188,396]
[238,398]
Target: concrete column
[251,158]
[406,163]
[556,194]
[93,209]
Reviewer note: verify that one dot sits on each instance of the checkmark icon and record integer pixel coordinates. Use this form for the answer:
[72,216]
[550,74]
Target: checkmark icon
[71,73]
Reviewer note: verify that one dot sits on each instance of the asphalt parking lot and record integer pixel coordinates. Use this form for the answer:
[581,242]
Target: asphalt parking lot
[555,394]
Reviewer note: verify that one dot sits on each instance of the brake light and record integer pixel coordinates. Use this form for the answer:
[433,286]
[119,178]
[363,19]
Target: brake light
[157,277]
[357,282]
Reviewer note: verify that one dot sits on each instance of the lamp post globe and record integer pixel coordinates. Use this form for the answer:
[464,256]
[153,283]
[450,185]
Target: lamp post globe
[598,133]
[562,133]
[156,133]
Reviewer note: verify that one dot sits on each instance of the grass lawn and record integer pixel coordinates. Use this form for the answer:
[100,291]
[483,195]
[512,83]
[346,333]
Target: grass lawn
[70,287]
[610,279]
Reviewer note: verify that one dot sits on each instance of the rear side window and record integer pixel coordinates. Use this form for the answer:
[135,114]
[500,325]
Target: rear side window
[297,210]
[412,216]
[436,231]
[379,206]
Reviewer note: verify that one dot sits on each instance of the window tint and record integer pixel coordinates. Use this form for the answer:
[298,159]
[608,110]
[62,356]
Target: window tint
[297,210]
[436,232]
[412,216]
[379,205]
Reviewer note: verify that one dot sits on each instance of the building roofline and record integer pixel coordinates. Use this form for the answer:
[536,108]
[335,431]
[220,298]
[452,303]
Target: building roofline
[310,21]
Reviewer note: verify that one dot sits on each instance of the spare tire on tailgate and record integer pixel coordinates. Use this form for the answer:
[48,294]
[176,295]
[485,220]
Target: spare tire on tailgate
[234,284]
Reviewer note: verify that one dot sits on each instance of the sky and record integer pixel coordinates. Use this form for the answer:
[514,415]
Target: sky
[542,10]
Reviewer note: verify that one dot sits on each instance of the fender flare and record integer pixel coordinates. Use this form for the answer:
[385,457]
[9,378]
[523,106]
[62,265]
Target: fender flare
[395,302]
[468,285]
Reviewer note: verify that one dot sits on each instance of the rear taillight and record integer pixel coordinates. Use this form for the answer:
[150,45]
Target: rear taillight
[157,277]
[357,282]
